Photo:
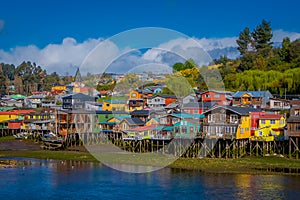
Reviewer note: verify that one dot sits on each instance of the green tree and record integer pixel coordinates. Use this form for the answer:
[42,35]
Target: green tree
[285,49]
[244,41]
[188,64]
[262,36]
[294,50]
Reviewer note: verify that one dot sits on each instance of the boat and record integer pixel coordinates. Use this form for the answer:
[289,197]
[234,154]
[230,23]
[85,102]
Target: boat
[52,141]
[22,135]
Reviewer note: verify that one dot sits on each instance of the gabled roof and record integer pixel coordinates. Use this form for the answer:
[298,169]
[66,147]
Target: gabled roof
[17,112]
[205,105]
[144,128]
[255,94]
[144,91]
[172,105]
[187,116]
[163,96]
[237,110]
[140,112]
[270,116]
[104,112]
[79,96]
[216,91]
[134,121]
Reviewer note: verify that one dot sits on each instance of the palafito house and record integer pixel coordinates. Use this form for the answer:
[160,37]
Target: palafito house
[270,127]
[15,114]
[228,122]
[138,99]
[187,128]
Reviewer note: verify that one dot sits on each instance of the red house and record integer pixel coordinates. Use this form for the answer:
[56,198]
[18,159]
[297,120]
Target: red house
[220,97]
[197,107]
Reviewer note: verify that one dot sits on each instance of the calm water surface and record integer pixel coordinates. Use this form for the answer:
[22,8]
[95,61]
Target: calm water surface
[46,179]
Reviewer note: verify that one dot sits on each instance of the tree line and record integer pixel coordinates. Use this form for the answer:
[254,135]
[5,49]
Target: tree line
[261,65]
[27,78]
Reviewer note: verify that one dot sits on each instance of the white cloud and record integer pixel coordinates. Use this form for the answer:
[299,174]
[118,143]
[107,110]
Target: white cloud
[67,55]
[185,48]
[1,24]
[278,35]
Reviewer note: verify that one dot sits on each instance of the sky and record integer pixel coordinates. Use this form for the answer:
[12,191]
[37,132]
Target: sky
[59,34]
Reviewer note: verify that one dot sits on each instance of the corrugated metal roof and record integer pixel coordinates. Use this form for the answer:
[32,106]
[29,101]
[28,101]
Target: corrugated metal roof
[134,121]
[140,112]
[238,110]
[253,94]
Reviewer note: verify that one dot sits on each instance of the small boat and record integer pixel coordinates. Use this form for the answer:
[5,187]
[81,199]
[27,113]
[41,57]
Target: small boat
[51,141]
[20,136]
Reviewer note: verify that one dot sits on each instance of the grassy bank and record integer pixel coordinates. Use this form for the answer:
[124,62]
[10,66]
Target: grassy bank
[55,155]
[250,165]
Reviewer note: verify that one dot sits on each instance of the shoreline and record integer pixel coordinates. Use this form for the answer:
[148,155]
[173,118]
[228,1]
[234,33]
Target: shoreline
[246,165]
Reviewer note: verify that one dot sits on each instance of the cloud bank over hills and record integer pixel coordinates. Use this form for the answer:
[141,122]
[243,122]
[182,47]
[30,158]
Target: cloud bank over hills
[98,55]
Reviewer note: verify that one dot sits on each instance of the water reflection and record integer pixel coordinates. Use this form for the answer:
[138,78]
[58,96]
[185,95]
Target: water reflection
[36,179]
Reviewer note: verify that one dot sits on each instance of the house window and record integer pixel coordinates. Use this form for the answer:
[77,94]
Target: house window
[191,130]
[259,133]
[133,95]
[223,117]
[242,131]
[184,129]
[276,104]
[272,121]
[297,112]
[263,121]
[211,118]
[233,118]
[281,121]
[207,96]
[217,95]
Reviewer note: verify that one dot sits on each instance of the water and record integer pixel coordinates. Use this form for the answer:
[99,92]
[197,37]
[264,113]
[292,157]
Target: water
[46,179]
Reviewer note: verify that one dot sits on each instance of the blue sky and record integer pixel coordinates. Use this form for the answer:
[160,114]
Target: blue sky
[40,23]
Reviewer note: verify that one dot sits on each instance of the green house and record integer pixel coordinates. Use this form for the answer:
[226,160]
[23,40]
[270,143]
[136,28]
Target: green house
[188,128]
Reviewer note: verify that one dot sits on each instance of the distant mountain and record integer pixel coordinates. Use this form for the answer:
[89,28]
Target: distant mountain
[229,52]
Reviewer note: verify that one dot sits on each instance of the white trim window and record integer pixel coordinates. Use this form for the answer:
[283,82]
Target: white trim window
[234,118]
[211,118]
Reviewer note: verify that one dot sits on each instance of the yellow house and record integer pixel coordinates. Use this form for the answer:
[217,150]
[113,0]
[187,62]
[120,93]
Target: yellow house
[114,105]
[59,88]
[138,99]
[270,127]
[243,130]
[15,114]
[135,94]
[246,99]
[152,121]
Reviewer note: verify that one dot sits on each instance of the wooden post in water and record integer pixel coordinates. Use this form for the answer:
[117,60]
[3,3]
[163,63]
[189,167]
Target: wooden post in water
[220,155]
[290,147]
[151,146]
[226,146]
[297,149]
[256,148]
[250,144]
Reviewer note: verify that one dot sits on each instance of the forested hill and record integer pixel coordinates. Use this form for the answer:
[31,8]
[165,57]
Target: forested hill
[260,65]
